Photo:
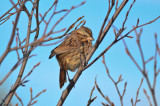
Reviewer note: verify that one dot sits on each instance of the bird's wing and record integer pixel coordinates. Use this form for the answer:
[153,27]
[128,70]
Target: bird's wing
[60,50]
[66,46]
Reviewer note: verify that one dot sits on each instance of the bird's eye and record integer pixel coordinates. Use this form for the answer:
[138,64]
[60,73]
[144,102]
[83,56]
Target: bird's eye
[84,35]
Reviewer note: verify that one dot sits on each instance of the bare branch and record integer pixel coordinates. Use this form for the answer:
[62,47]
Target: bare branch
[30,71]
[8,13]
[17,44]
[73,7]
[106,98]
[115,83]
[20,100]
[12,69]
[152,89]
[37,21]
[91,100]
[32,102]
[22,82]
[12,35]
[145,92]
[127,14]
[150,59]
[136,101]
[25,60]
[105,20]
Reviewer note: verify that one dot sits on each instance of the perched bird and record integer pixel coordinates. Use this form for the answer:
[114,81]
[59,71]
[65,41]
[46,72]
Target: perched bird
[72,51]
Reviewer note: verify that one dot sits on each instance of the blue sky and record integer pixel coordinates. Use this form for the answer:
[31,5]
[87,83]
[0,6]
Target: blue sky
[46,76]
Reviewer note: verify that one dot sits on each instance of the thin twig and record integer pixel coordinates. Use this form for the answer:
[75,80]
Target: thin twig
[155,63]
[149,100]
[17,44]
[30,71]
[106,98]
[37,21]
[91,99]
[115,83]
[152,89]
[22,82]
[127,14]
[13,68]
[20,100]
[8,12]
[31,102]
[150,59]
[73,7]
[12,35]
[137,100]
[18,81]
[47,23]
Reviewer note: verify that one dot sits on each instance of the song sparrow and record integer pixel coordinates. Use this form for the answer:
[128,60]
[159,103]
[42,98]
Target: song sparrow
[72,51]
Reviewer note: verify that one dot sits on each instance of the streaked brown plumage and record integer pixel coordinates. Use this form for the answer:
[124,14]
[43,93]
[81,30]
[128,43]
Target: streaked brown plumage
[68,53]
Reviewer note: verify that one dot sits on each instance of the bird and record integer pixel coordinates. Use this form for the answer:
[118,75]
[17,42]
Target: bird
[72,51]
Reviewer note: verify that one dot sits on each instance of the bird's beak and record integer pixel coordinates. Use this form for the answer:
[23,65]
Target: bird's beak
[90,38]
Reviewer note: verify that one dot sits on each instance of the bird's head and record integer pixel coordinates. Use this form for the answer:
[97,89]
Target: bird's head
[85,34]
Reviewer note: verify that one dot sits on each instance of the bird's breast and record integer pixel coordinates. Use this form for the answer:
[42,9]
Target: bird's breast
[73,58]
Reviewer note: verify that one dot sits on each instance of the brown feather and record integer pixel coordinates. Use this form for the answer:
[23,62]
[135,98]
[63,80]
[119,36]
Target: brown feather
[61,50]
[52,54]
[62,77]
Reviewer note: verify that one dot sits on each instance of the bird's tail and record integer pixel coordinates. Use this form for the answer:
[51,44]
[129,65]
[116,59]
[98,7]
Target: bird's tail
[62,77]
